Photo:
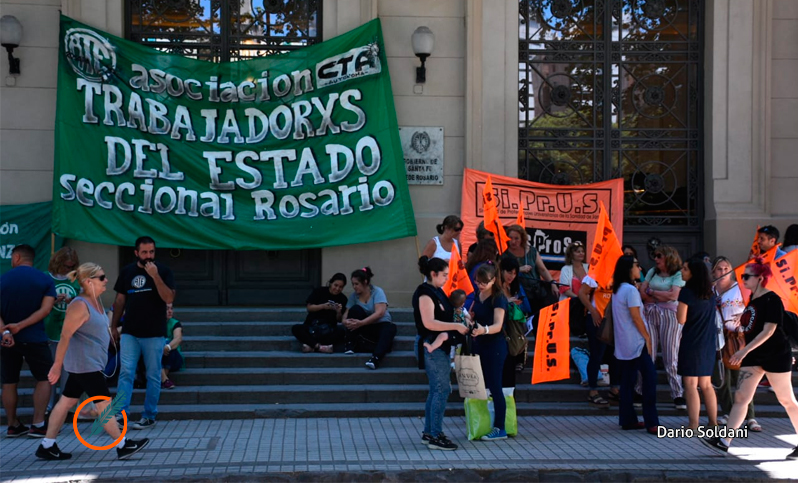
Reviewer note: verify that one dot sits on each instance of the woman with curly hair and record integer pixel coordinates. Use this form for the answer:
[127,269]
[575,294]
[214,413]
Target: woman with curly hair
[537,281]
[660,291]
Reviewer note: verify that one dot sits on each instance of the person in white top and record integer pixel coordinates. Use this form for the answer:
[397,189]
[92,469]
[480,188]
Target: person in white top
[573,271]
[441,246]
[731,305]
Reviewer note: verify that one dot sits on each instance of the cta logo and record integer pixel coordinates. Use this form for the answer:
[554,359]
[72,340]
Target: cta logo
[104,417]
[90,55]
[358,62]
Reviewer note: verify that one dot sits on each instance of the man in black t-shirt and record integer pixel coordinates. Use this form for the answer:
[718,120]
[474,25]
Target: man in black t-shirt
[144,289]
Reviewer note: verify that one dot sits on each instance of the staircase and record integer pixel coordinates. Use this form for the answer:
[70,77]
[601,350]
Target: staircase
[244,363]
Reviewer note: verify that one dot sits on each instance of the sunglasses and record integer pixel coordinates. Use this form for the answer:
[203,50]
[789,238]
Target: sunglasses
[747,276]
[459,228]
[659,255]
[102,277]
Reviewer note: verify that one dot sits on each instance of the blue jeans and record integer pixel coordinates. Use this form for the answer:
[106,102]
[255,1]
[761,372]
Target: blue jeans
[596,351]
[151,349]
[629,370]
[437,367]
[493,350]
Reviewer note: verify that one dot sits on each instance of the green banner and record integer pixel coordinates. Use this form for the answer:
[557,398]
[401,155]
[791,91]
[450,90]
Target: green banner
[299,150]
[26,225]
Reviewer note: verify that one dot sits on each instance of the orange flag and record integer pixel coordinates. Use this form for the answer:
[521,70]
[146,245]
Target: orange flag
[603,258]
[755,249]
[458,278]
[521,217]
[783,281]
[491,220]
[551,357]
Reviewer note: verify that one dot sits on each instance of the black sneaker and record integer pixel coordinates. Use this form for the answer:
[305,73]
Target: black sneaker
[792,455]
[349,349]
[132,446]
[39,432]
[426,438]
[442,443]
[52,453]
[372,363]
[120,422]
[680,403]
[715,443]
[17,431]
[637,400]
[143,423]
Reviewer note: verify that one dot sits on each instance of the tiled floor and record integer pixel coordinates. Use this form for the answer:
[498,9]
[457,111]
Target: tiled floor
[184,449]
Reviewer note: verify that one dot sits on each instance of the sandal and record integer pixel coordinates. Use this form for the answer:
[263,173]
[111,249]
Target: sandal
[598,400]
[613,396]
[753,426]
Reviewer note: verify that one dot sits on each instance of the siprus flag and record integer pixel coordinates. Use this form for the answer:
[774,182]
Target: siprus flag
[491,220]
[551,357]
[458,277]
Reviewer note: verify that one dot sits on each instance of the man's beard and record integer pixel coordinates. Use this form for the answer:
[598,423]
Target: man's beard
[143,261]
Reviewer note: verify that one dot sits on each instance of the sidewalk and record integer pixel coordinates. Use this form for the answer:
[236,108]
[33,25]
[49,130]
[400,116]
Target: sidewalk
[563,448]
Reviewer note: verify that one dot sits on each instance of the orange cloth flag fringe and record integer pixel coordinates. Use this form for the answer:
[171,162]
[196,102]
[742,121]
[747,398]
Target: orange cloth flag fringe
[521,217]
[783,281]
[755,249]
[491,220]
[603,259]
[458,277]
[551,357]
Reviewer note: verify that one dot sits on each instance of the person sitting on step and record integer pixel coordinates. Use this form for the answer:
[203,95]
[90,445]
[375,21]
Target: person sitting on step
[172,360]
[367,318]
[321,328]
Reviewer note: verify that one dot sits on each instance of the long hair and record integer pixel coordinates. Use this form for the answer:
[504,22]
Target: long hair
[60,258]
[487,272]
[672,259]
[571,251]
[723,259]
[485,252]
[511,264]
[622,271]
[700,283]
[523,235]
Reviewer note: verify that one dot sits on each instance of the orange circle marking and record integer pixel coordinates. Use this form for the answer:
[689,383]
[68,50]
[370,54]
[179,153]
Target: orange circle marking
[78,434]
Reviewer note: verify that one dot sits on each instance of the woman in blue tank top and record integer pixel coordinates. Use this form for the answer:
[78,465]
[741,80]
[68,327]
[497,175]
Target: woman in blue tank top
[82,351]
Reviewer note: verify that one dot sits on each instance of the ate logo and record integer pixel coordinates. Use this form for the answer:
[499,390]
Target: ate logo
[138,281]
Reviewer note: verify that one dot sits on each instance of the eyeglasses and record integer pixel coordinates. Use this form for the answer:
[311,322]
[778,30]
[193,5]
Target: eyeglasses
[747,276]
[102,277]
[459,228]
[659,255]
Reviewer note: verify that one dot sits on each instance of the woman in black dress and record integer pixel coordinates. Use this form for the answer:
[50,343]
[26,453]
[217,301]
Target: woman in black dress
[767,351]
[696,313]
[321,328]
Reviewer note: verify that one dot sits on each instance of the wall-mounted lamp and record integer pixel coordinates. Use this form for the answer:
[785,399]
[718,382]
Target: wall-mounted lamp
[422,41]
[10,37]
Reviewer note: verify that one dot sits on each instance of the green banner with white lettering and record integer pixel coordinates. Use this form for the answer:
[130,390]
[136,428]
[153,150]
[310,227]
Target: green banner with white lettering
[299,150]
[26,225]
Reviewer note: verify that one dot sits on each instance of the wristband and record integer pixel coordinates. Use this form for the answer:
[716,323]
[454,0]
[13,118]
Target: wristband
[169,348]
[6,332]
[486,328]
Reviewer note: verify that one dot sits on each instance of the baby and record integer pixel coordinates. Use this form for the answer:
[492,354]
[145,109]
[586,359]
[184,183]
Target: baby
[460,315]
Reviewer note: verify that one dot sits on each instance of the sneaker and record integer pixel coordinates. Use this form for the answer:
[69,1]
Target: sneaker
[326,349]
[715,443]
[722,420]
[637,400]
[792,455]
[120,421]
[680,403]
[349,349]
[629,427]
[372,363]
[167,384]
[442,443]
[585,382]
[495,434]
[17,431]
[132,446]
[39,432]
[426,438]
[653,430]
[143,423]
[52,453]
[305,349]
[764,383]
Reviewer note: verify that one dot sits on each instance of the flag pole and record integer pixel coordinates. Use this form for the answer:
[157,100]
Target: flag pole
[416,240]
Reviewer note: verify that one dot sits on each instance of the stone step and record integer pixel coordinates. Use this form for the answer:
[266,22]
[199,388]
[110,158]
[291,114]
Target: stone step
[357,394]
[261,314]
[263,329]
[167,412]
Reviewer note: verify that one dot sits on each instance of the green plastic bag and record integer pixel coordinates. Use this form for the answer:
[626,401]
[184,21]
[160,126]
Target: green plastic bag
[480,416]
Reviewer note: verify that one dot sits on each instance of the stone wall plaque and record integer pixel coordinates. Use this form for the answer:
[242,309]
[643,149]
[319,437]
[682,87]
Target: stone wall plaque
[423,150]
